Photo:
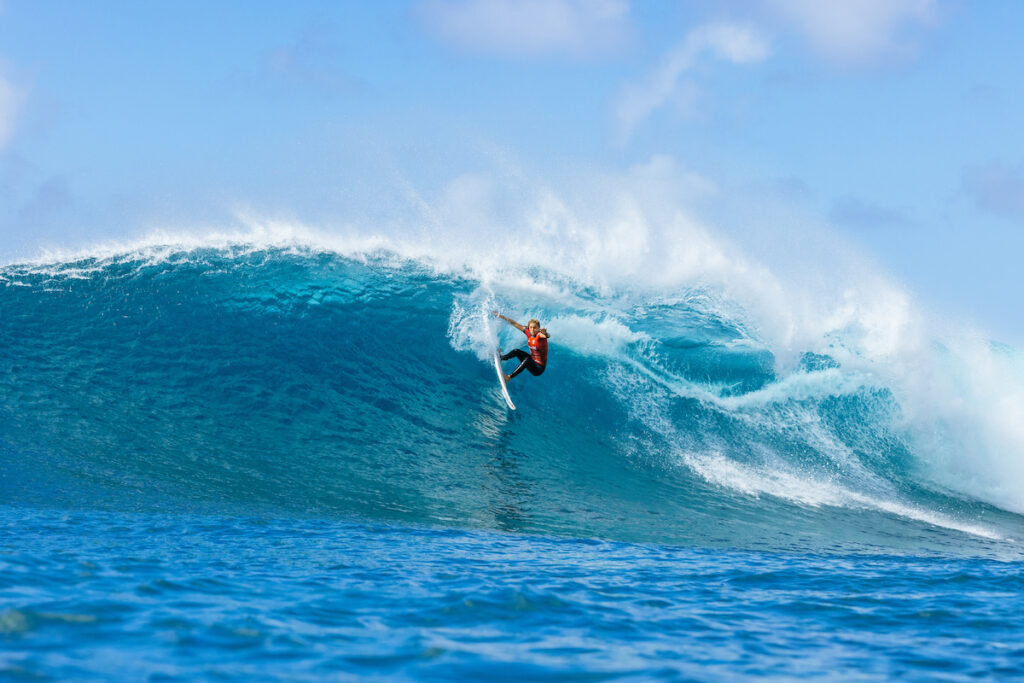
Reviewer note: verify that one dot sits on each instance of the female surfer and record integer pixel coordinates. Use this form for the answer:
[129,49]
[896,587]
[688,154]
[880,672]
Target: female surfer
[537,338]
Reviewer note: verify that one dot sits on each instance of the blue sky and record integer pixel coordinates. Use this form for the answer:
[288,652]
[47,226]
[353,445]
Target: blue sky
[895,123]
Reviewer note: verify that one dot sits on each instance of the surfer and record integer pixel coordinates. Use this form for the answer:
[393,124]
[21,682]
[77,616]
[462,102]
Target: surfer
[537,338]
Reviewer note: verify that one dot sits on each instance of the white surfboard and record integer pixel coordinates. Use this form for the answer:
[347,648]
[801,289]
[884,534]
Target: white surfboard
[501,381]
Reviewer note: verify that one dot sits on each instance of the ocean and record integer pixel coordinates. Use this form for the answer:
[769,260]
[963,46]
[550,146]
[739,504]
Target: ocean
[261,460]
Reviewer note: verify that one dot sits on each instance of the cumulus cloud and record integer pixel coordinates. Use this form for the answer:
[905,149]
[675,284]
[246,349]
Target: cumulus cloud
[728,42]
[997,188]
[857,31]
[528,28]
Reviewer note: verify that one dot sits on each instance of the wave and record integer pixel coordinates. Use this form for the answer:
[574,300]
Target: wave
[709,405]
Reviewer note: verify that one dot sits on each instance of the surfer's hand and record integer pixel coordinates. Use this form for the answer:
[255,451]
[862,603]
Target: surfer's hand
[494,313]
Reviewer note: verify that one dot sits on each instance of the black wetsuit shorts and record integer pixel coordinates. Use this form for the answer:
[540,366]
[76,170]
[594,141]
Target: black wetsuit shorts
[527,363]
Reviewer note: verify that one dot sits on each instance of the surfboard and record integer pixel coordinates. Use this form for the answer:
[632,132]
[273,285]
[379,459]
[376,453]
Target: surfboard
[501,381]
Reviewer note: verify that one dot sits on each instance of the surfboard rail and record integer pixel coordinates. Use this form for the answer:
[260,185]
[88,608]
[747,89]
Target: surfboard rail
[501,380]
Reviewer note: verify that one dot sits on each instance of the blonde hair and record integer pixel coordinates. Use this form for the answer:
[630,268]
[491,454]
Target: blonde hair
[532,321]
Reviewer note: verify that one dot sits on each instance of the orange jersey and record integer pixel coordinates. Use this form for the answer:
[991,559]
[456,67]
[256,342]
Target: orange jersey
[538,347]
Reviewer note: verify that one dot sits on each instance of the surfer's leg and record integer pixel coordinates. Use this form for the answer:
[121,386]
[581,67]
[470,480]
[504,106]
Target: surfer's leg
[516,353]
[528,364]
[522,366]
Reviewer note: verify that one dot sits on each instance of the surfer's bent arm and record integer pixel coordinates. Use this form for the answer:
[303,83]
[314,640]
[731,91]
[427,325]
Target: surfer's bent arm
[510,321]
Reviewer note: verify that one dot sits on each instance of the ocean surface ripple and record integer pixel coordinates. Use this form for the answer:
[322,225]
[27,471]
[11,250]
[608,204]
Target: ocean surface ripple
[214,598]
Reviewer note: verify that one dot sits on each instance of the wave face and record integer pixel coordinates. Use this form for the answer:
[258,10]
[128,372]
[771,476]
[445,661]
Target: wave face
[303,381]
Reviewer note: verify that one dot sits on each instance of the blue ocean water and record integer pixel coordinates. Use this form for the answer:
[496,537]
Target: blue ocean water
[262,462]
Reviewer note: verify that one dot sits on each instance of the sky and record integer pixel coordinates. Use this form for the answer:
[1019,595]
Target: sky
[894,124]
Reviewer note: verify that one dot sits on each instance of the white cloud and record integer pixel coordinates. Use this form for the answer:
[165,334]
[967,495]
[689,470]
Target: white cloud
[727,42]
[528,28]
[737,44]
[857,31]
[10,102]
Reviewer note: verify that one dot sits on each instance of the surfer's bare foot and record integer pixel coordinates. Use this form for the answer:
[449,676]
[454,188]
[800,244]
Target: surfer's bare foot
[507,378]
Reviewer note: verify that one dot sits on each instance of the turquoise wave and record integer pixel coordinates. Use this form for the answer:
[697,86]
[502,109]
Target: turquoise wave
[296,381]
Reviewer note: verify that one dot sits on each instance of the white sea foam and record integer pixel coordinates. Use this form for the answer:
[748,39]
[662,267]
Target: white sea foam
[814,492]
[771,474]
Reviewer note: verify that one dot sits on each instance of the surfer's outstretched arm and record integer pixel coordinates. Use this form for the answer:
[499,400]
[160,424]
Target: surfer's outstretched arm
[510,321]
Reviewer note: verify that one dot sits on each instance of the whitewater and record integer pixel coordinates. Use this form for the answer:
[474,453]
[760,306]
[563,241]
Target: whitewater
[279,452]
